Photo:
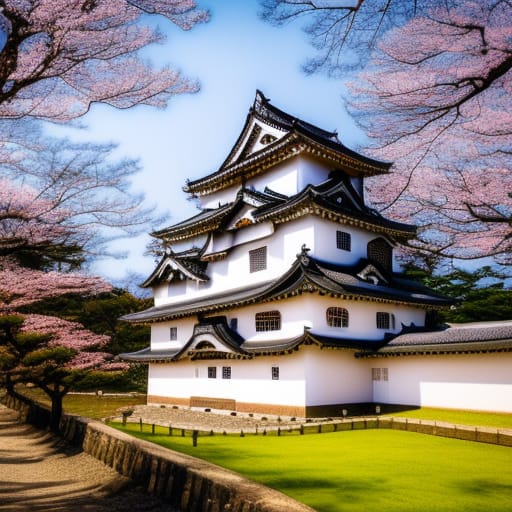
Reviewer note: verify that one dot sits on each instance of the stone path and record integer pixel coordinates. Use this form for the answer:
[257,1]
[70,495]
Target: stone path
[39,472]
[182,417]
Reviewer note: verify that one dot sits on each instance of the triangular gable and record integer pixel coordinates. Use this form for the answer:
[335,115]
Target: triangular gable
[212,338]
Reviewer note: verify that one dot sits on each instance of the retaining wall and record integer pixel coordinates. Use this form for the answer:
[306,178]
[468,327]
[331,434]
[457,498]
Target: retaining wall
[194,485]
[185,482]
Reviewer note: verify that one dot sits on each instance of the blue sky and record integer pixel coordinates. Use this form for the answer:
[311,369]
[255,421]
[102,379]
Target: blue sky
[231,56]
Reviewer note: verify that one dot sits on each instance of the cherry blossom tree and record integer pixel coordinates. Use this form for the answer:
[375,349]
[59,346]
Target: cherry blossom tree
[343,32]
[60,202]
[61,56]
[52,354]
[441,87]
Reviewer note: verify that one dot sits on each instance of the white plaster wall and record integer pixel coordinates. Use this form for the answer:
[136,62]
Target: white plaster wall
[335,377]
[251,381]
[462,381]
[309,310]
[325,242]
[282,178]
[160,334]
[221,197]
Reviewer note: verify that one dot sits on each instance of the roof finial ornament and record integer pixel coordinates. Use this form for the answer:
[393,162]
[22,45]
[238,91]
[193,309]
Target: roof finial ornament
[303,255]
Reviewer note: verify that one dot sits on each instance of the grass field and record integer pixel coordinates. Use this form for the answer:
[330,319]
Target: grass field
[364,470]
[88,405]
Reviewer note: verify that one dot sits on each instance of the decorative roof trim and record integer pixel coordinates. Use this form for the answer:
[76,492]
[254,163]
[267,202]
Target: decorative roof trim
[304,276]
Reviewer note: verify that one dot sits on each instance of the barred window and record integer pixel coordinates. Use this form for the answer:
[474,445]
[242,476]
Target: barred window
[337,317]
[379,251]
[258,259]
[173,333]
[275,372]
[375,373]
[385,374]
[268,321]
[385,321]
[343,240]
[226,372]
[212,372]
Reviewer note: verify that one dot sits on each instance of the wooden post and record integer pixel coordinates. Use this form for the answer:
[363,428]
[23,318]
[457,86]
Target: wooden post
[170,430]
[153,429]
[195,433]
[140,424]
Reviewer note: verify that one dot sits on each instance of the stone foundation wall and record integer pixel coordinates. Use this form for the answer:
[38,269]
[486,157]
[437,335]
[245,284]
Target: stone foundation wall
[187,483]
[193,485]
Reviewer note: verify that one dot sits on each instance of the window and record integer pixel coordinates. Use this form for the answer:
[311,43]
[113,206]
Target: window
[233,324]
[268,321]
[380,374]
[337,317]
[275,372]
[173,333]
[379,251]
[205,345]
[212,372]
[226,372]
[385,321]
[343,240]
[258,259]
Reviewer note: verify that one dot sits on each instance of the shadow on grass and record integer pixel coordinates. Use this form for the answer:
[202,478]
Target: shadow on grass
[485,487]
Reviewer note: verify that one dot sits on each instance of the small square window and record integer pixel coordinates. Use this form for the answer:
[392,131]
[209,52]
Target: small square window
[343,240]
[383,320]
[275,372]
[226,372]
[173,333]
[212,372]
[258,259]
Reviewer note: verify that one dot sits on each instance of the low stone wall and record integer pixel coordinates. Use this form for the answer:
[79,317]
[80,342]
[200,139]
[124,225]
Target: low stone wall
[185,482]
[193,485]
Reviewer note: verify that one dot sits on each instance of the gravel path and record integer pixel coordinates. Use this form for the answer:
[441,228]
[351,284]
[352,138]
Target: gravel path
[39,472]
[182,417]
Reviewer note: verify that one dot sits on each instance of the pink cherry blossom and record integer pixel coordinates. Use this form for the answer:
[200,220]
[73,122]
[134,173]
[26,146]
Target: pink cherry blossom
[436,100]
[61,56]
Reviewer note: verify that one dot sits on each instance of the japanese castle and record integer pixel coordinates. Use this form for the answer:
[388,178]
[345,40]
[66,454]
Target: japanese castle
[284,294]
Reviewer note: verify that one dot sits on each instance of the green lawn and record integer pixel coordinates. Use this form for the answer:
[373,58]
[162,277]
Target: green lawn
[484,419]
[88,405]
[364,470]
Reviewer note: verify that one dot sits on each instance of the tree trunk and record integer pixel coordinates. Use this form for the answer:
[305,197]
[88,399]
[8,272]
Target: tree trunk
[56,411]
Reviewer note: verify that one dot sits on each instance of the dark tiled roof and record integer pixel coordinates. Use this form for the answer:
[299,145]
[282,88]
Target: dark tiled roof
[473,337]
[305,275]
[298,132]
[186,265]
[334,199]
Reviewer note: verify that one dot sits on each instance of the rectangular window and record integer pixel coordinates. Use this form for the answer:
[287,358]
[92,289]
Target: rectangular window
[343,240]
[385,374]
[173,333]
[375,373]
[268,321]
[226,372]
[258,259]
[383,320]
[212,372]
[275,372]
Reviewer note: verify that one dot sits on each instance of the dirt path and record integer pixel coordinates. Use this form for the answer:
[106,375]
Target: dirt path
[39,472]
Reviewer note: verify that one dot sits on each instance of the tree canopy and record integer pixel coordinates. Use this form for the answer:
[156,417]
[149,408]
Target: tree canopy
[433,94]
[61,56]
